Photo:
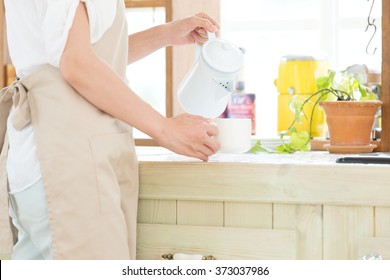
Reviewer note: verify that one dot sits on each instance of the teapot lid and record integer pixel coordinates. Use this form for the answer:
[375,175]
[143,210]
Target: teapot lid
[222,55]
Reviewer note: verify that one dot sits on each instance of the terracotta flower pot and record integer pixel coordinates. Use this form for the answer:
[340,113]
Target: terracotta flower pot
[350,124]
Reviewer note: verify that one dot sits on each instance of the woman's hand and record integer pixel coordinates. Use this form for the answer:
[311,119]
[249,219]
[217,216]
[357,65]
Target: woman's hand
[184,31]
[189,135]
[191,29]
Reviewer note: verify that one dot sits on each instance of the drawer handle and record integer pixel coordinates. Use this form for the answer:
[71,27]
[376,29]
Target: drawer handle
[372,256]
[181,256]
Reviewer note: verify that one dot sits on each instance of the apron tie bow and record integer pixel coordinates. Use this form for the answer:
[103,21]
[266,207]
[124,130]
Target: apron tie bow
[18,93]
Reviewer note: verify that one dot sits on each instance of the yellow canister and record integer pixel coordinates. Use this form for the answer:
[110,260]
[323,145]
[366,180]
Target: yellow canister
[297,75]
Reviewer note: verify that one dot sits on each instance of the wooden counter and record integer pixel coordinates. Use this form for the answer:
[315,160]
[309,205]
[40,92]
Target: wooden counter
[263,206]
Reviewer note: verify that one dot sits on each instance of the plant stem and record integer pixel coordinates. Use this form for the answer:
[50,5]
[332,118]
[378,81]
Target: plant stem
[339,94]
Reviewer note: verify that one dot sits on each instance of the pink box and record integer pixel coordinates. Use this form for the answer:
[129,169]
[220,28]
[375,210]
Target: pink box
[242,105]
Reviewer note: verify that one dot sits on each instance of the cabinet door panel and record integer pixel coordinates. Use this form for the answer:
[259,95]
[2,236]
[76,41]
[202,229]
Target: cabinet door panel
[307,221]
[252,215]
[382,221]
[200,213]
[343,227]
[153,211]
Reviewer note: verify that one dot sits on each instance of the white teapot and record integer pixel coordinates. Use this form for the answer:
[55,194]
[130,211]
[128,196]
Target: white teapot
[206,88]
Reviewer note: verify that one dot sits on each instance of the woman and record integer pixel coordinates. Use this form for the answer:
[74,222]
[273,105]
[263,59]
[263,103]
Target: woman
[68,159]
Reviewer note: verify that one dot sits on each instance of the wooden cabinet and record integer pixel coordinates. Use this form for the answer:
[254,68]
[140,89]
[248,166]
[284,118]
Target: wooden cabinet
[205,228]
[264,207]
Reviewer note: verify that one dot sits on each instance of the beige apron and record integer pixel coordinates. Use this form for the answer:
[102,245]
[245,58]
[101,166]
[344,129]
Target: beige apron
[87,159]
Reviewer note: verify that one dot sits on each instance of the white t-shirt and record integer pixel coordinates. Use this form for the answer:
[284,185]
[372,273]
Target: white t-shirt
[37,31]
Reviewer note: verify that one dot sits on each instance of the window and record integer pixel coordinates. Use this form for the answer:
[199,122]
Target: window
[143,14]
[147,77]
[270,29]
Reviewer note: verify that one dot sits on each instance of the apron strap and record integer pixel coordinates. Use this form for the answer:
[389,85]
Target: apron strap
[5,107]
[7,237]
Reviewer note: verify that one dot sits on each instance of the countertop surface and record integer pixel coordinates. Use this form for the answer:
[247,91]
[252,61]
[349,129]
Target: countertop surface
[158,154]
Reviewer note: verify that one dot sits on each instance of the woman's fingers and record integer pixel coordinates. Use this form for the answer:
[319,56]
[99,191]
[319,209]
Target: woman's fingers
[190,135]
[207,22]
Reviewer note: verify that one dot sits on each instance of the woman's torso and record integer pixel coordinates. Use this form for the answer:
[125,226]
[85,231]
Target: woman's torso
[36,33]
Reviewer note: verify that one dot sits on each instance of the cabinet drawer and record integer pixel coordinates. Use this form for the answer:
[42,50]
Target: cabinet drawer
[222,243]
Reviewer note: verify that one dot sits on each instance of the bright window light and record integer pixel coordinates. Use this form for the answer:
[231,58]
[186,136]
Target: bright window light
[268,30]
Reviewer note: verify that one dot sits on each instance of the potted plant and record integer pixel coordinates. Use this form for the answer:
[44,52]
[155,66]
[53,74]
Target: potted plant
[350,109]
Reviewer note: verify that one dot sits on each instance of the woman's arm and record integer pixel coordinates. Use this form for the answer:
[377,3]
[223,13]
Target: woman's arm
[185,134]
[180,32]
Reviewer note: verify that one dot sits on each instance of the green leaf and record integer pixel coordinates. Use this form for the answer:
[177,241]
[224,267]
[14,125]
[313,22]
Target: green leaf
[283,149]
[300,141]
[296,106]
[257,148]
[363,91]
[366,93]
[322,82]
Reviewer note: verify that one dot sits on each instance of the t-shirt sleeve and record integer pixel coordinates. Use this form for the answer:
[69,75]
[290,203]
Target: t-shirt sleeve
[59,17]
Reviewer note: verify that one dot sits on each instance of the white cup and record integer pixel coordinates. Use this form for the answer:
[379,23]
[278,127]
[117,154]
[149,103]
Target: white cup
[234,135]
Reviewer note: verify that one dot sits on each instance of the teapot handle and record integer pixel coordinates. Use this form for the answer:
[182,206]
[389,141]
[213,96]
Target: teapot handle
[211,35]
[198,48]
